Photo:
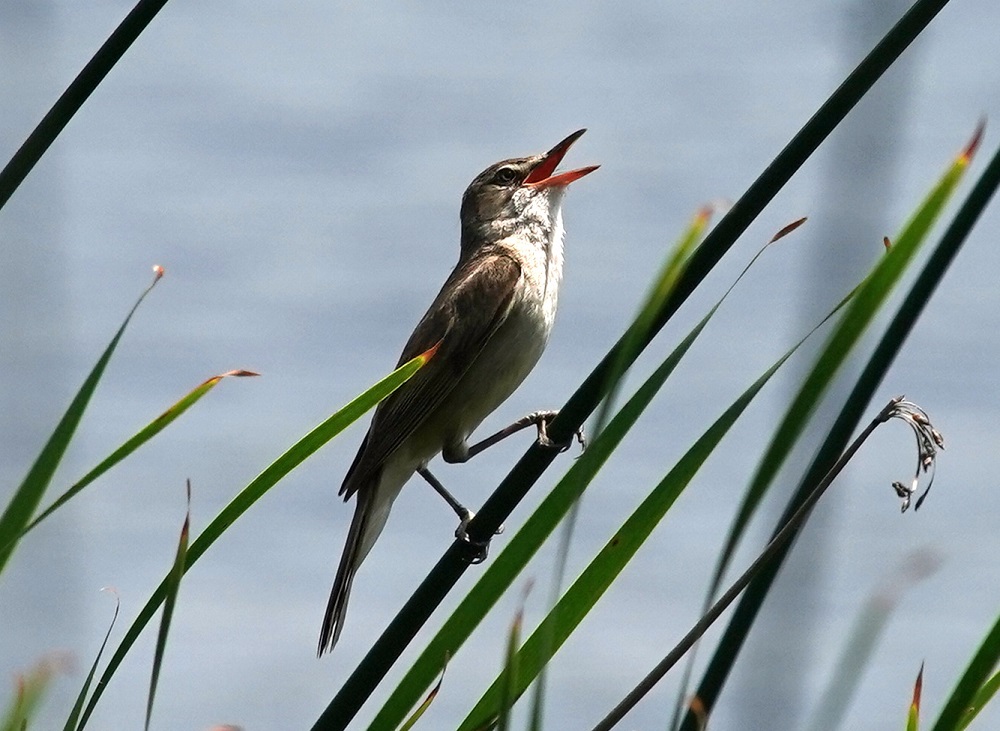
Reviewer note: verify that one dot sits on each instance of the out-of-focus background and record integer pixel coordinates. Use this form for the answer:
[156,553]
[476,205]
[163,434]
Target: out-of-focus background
[297,169]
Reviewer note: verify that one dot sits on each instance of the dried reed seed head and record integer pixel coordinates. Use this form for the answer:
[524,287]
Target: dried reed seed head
[929,440]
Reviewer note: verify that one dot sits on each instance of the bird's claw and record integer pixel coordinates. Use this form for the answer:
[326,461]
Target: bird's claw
[479,549]
[545,441]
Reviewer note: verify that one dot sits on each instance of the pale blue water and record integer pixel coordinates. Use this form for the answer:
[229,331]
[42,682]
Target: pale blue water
[297,169]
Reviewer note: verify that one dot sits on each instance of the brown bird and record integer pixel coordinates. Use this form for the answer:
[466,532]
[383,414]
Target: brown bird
[491,321]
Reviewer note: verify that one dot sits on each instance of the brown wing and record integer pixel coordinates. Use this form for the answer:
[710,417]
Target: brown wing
[482,291]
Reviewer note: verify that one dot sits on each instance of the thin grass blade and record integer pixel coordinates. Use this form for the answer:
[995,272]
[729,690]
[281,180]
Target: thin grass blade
[74,716]
[173,587]
[29,494]
[895,408]
[75,95]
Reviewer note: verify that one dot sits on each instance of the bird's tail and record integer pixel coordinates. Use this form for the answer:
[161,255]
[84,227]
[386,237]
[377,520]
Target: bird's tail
[369,519]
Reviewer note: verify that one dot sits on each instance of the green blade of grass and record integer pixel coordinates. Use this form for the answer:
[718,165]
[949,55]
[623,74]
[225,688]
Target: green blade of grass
[982,697]
[846,422]
[961,704]
[250,494]
[172,589]
[595,579]
[81,698]
[29,494]
[133,443]
[75,95]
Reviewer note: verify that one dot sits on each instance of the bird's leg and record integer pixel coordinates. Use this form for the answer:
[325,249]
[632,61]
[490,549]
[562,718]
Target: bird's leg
[539,419]
[465,515]
[457,454]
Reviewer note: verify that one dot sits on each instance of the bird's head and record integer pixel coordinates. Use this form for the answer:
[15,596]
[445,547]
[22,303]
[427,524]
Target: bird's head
[523,193]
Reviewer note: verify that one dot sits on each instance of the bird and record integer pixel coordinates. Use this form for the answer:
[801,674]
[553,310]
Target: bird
[488,325]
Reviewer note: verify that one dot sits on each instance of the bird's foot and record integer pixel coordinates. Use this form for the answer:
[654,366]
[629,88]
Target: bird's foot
[479,549]
[543,419]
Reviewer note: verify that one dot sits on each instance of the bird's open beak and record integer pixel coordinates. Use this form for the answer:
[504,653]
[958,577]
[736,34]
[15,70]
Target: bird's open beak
[542,175]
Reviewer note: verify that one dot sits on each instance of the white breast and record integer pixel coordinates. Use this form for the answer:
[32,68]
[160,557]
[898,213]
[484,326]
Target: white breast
[518,344]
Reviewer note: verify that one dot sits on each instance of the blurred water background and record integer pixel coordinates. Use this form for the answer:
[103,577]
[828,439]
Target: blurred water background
[297,168]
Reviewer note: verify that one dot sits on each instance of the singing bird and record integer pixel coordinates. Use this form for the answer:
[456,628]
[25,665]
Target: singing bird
[490,323]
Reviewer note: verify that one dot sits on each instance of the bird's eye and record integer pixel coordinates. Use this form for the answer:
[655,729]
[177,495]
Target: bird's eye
[505,176]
